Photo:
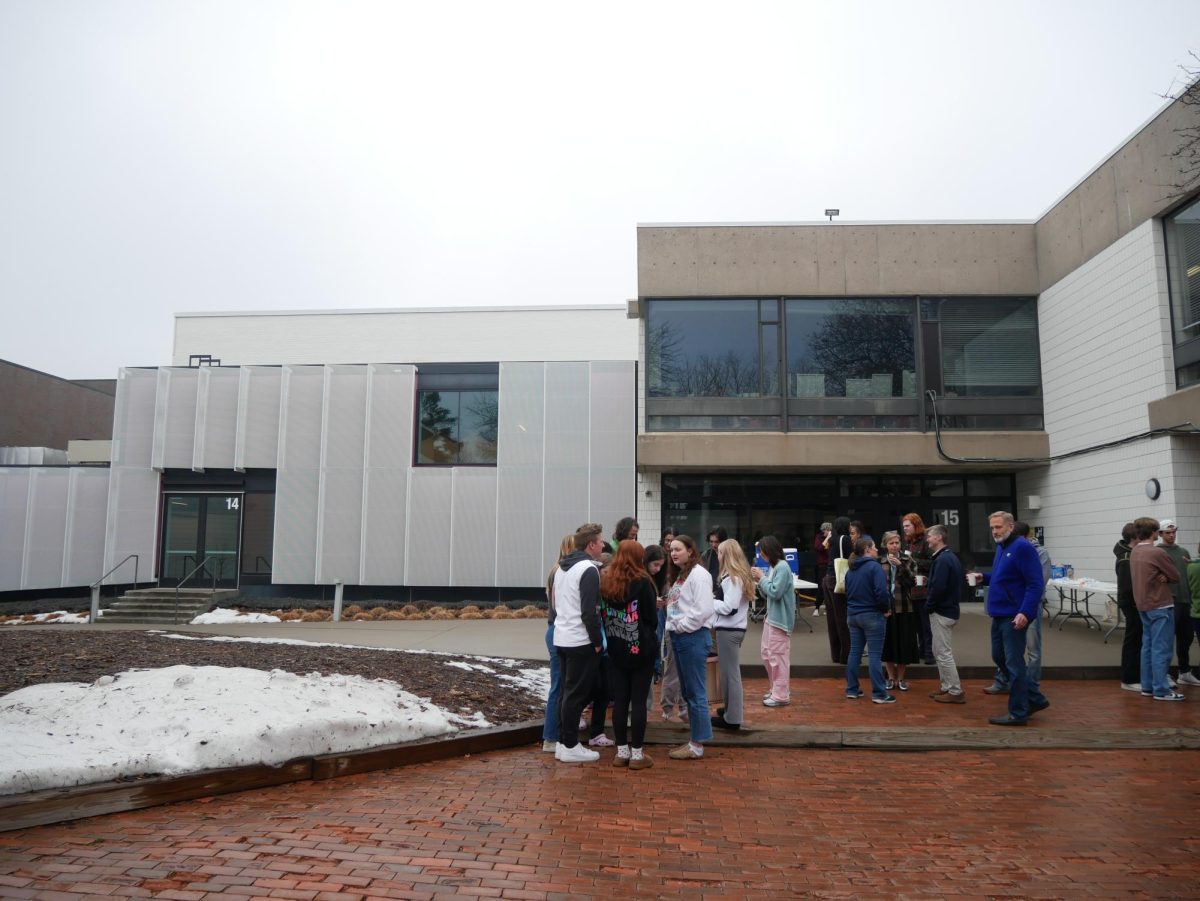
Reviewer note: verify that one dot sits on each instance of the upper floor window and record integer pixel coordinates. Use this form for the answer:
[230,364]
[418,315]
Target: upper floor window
[851,348]
[457,409]
[1183,259]
[711,348]
[989,347]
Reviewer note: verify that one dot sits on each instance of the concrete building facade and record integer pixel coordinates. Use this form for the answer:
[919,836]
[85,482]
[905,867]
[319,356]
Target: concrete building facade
[766,378]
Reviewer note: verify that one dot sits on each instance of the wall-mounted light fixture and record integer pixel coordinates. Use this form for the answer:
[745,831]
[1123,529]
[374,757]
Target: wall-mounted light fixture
[1153,489]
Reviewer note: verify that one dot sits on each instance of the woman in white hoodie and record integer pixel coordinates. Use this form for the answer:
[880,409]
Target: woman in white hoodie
[732,613]
[689,609]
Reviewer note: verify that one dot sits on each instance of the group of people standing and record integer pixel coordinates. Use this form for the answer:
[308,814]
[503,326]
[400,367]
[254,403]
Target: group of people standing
[1158,590]
[623,616]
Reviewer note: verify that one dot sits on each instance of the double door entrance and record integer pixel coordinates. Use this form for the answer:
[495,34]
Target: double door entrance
[201,538]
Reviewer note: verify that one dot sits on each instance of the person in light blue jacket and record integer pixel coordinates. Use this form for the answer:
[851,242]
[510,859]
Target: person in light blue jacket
[868,605]
[779,588]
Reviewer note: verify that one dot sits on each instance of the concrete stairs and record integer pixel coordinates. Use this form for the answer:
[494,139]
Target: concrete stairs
[156,606]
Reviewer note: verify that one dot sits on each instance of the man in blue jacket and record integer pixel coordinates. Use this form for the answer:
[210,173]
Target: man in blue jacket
[1014,598]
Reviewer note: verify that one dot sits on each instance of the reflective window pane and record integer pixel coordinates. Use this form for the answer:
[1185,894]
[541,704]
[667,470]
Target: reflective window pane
[457,427]
[984,486]
[850,348]
[990,347]
[702,348]
[1183,253]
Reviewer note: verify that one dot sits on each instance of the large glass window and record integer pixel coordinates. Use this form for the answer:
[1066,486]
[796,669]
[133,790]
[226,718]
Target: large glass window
[850,348]
[990,347]
[457,409]
[704,348]
[1183,257]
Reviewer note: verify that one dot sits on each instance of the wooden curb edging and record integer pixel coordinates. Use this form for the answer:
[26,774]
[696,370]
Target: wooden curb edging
[59,805]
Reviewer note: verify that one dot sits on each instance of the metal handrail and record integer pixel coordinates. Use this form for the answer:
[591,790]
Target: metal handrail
[179,584]
[95,586]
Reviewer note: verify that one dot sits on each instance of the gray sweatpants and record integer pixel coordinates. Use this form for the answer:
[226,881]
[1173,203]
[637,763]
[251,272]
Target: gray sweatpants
[729,671]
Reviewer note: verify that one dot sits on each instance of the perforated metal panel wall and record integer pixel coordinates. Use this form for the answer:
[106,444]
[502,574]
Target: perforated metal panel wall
[567,501]
[340,501]
[473,542]
[216,418]
[14,501]
[429,505]
[613,430]
[131,516]
[83,550]
[520,536]
[51,526]
[389,441]
[175,418]
[256,445]
[45,527]
[298,479]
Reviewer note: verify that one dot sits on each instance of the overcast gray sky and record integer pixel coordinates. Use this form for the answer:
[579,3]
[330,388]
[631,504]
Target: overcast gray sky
[163,157]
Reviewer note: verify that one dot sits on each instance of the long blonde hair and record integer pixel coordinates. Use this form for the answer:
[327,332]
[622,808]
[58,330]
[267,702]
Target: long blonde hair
[566,547]
[733,562]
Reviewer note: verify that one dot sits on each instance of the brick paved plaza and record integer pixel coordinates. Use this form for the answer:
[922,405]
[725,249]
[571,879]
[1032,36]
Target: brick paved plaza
[742,823]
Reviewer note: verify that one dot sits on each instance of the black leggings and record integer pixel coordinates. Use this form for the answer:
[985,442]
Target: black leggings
[1131,645]
[630,685]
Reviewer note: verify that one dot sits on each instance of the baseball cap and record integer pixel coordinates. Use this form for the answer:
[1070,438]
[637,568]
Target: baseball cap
[1167,525]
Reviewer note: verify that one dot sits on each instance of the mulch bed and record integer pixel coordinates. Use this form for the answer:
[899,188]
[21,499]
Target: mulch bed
[31,656]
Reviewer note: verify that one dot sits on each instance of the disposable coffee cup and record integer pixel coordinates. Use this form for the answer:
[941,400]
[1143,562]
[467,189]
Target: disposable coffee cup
[920,580]
[972,579]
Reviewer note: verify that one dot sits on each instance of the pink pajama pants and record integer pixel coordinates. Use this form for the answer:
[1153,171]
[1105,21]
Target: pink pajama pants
[777,658]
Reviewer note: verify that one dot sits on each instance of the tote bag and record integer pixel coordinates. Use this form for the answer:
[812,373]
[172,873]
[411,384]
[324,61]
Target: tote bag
[841,566]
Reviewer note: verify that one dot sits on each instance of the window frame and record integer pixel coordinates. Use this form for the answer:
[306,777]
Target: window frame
[457,379]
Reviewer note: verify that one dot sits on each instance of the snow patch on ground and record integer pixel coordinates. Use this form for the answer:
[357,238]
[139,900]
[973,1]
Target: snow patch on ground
[184,719]
[222,616]
[58,616]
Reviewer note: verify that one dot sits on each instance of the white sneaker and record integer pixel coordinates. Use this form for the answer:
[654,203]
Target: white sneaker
[549,747]
[1172,682]
[1173,696]
[1188,679]
[577,754]
[1131,686]
[817,611]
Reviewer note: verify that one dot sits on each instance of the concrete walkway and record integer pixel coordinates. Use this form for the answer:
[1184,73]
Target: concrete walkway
[1068,652]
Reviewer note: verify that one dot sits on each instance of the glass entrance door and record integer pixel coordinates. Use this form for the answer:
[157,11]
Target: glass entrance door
[201,530]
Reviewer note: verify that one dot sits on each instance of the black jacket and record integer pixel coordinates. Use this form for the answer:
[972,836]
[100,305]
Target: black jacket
[1124,574]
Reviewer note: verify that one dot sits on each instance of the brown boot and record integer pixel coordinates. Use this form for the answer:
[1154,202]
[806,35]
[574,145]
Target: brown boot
[641,763]
[951,698]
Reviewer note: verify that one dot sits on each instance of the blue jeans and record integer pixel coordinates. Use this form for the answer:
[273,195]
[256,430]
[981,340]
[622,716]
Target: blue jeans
[1158,635]
[1033,659]
[691,654]
[550,729]
[866,629]
[1008,653]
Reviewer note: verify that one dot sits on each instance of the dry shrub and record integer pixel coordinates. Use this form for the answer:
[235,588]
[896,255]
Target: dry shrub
[392,614]
[291,616]
[410,609]
[471,614]
[503,614]
[378,612]
[435,610]
[29,617]
[362,616]
[531,611]
[440,613]
[352,611]
[313,616]
[277,612]
[323,615]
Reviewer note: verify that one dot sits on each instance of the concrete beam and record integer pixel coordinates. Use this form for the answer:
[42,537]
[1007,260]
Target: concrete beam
[840,451]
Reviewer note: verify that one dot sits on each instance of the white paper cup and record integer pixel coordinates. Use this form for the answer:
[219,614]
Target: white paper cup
[972,579]
[920,580]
